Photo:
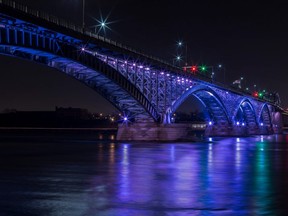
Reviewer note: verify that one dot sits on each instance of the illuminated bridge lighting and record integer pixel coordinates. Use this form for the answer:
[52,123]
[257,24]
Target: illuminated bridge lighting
[134,82]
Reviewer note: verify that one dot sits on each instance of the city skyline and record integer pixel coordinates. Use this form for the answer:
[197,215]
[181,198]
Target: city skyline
[249,42]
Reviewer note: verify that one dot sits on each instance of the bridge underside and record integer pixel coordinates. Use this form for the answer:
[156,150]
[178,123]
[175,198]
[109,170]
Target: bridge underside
[96,80]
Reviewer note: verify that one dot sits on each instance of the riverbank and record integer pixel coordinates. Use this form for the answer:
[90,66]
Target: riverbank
[33,133]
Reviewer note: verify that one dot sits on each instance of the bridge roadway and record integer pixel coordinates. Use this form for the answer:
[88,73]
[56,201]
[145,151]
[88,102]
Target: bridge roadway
[145,89]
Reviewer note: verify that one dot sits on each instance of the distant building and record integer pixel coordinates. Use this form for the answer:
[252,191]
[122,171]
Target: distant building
[72,113]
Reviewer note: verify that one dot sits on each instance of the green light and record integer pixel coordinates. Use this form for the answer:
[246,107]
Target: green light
[203,68]
[260,94]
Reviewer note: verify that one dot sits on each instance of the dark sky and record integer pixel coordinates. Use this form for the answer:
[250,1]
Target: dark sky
[248,39]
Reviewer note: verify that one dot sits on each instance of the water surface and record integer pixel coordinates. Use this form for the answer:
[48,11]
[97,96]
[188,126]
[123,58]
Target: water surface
[73,177]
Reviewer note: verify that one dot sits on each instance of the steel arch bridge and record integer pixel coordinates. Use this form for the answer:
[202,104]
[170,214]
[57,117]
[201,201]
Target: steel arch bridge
[144,88]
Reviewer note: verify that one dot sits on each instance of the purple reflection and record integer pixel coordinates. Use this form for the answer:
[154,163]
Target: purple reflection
[226,176]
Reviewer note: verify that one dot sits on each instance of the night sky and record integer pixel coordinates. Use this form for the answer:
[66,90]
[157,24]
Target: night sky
[250,40]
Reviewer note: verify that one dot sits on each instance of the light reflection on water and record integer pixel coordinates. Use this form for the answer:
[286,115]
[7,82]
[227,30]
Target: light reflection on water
[224,176]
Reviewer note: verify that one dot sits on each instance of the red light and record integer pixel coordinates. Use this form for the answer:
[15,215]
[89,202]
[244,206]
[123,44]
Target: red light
[194,69]
[255,94]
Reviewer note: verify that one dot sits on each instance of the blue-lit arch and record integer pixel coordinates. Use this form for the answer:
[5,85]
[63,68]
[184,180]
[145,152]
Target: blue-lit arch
[245,113]
[210,100]
[264,117]
[99,76]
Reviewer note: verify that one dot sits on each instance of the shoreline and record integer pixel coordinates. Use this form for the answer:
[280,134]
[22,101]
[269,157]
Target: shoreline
[55,128]
[60,134]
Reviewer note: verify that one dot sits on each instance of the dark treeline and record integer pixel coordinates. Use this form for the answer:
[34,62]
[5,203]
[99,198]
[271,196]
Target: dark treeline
[60,118]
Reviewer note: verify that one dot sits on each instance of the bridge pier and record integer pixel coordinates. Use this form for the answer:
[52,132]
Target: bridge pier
[277,122]
[237,130]
[149,131]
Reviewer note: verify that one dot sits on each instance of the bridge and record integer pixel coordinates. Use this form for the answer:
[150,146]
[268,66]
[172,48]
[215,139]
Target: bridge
[147,90]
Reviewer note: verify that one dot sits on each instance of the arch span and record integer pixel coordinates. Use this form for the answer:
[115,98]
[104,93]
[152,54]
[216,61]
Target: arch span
[86,68]
[245,115]
[265,116]
[211,101]
[265,120]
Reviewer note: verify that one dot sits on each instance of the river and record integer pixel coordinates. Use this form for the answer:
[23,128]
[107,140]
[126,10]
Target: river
[95,177]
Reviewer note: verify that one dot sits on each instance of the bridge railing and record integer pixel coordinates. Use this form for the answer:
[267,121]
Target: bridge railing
[76,28]
[69,25]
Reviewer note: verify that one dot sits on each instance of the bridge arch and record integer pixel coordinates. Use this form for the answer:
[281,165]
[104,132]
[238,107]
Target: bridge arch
[265,120]
[265,116]
[84,67]
[210,100]
[245,114]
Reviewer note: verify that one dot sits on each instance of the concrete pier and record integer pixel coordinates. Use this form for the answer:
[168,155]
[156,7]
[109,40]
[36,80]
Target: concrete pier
[237,130]
[184,131]
[155,132]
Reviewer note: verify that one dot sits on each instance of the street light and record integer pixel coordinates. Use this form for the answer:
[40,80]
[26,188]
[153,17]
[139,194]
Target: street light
[177,59]
[180,44]
[212,75]
[102,23]
[220,67]
[83,15]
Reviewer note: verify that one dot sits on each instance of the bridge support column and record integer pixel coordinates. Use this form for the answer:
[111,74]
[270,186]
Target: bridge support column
[237,130]
[277,122]
[154,132]
[220,130]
